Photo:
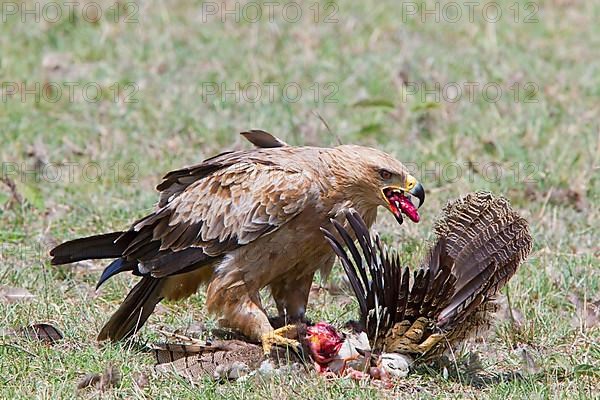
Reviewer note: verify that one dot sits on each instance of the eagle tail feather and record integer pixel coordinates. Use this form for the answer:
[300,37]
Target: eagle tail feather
[90,248]
[134,311]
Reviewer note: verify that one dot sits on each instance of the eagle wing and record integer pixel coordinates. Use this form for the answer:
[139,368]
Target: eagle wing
[204,211]
[175,182]
[218,206]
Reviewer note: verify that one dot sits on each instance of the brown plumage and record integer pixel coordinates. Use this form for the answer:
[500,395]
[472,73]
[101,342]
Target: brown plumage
[242,221]
[221,359]
[480,244]
[218,359]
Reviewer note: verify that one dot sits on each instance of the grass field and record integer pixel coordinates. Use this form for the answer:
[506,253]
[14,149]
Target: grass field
[98,103]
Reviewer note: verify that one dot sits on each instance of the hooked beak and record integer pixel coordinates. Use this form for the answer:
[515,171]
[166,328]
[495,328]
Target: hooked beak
[419,193]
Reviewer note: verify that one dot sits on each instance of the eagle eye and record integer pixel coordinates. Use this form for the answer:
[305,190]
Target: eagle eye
[385,174]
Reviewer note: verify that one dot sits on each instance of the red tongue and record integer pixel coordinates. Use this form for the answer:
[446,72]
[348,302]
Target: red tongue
[408,208]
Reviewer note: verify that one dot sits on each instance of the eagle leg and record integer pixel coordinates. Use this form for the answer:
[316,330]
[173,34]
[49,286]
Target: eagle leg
[241,309]
[280,337]
[291,297]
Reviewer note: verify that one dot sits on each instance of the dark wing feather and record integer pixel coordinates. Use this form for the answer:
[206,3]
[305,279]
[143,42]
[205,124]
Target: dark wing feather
[116,267]
[403,294]
[134,311]
[383,289]
[263,139]
[375,280]
[481,242]
[354,251]
[89,248]
[353,276]
[204,211]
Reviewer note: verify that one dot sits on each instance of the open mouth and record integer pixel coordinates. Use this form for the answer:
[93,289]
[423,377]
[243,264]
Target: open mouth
[401,204]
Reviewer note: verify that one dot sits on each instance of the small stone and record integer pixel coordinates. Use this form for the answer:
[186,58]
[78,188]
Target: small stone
[266,368]
[231,371]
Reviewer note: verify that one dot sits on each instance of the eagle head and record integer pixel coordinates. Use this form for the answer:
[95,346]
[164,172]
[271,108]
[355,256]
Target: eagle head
[378,179]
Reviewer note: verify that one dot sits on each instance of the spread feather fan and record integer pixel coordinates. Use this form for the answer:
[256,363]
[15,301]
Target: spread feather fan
[481,241]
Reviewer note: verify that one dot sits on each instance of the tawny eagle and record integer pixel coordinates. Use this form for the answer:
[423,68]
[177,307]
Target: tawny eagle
[242,221]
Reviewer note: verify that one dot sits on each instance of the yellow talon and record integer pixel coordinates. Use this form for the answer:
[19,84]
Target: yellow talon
[280,337]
